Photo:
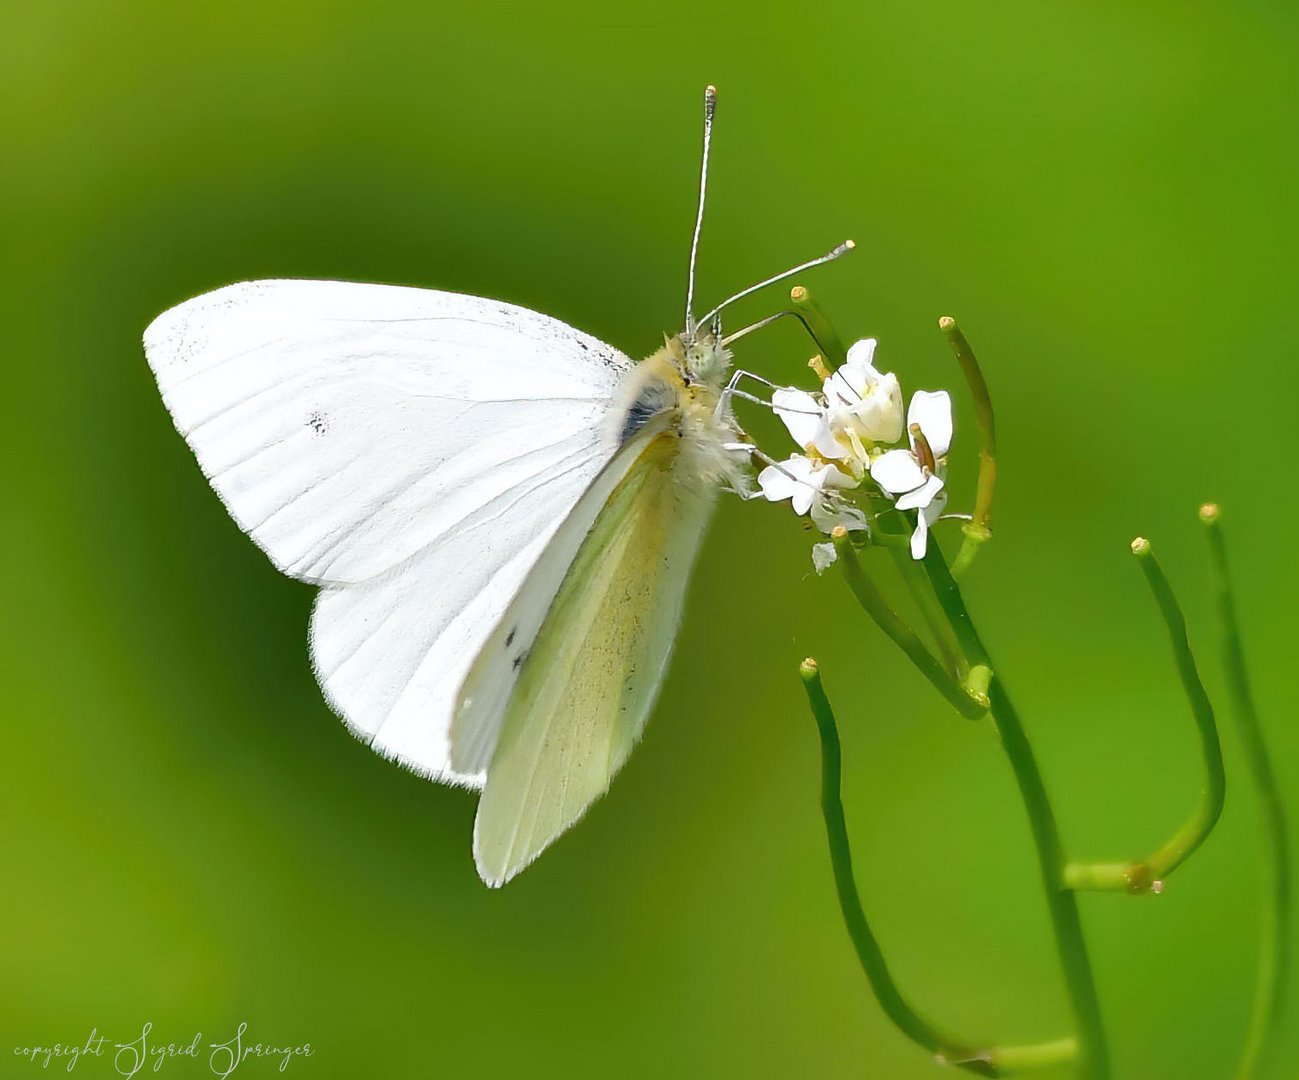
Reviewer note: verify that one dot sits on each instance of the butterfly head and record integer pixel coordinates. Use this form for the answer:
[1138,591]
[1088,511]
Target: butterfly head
[702,359]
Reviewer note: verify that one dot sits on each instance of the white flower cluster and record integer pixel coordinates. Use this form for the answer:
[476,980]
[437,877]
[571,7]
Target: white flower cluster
[847,432]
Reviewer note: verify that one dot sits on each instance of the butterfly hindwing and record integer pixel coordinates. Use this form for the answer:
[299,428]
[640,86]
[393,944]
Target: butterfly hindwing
[588,676]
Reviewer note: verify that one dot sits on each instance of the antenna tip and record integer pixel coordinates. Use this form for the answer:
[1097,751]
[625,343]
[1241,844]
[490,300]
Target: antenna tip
[710,92]
[848,245]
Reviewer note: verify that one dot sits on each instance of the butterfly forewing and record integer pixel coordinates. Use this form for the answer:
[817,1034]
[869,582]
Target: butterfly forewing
[411,450]
[346,426]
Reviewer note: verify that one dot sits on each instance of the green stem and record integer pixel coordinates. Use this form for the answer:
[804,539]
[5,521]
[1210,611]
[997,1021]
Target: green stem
[913,577]
[888,620]
[821,329]
[1274,946]
[895,1006]
[1148,874]
[953,605]
[1008,1059]
[892,530]
[979,528]
[1062,905]
[948,1049]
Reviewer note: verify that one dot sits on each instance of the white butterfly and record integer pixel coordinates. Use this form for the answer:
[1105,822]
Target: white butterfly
[501,513]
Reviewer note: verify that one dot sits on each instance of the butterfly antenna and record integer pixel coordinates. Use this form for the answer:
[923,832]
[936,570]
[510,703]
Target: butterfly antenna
[710,110]
[830,256]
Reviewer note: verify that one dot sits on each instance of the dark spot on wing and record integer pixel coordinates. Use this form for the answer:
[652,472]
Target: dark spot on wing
[637,417]
[509,638]
[518,660]
[318,422]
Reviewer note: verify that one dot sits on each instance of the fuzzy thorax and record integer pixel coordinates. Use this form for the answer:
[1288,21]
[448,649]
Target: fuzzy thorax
[685,380]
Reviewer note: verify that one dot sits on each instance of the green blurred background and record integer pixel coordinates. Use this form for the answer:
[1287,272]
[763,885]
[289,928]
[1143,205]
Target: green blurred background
[1101,192]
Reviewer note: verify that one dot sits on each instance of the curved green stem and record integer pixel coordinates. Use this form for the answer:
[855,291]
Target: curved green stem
[947,1049]
[1013,1059]
[979,528]
[891,530]
[953,605]
[1062,905]
[1274,946]
[895,1006]
[821,329]
[1148,874]
[888,620]
[917,584]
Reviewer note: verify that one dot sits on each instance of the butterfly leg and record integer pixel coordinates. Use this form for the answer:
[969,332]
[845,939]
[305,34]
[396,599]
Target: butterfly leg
[766,459]
[731,390]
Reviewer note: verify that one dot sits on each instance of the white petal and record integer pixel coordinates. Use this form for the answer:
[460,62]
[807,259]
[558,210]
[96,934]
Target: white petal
[927,516]
[823,556]
[801,480]
[897,471]
[886,419]
[856,379]
[933,412]
[828,446]
[776,483]
[861,355]
[802,468]
[932,512]
[876,416]
[832,477]
[829,513]
[920,538]
[857,460]
[923,496]
[772,483]
[801,413]
[845,387]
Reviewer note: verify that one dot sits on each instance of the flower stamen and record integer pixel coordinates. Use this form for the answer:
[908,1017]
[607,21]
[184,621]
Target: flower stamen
[923,451]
